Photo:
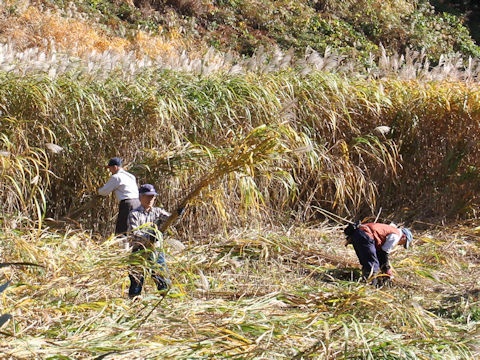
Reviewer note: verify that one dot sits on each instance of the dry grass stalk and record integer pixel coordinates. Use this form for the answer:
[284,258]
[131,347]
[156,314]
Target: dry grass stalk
[259,146]
[336,161]
[127,63]
[259,303]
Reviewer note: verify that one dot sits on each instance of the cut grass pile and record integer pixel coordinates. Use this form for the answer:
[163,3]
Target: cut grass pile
[249,294]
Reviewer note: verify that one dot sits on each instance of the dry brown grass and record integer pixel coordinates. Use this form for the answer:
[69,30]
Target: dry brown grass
[250,294]
[48,30]
[333,158]
[262,292]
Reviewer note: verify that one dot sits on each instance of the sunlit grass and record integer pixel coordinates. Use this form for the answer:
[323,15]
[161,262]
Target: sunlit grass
[240,294]
[252,282]
[56,135]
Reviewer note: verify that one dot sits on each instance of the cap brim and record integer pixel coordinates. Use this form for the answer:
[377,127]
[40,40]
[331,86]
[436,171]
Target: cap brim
[149,193]
[407,243]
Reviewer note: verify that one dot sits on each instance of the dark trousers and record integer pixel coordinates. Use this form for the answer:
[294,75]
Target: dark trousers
[124,209]
[159,273]
[372,259]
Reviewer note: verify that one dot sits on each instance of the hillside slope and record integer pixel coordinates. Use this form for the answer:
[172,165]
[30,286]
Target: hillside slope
[353,29]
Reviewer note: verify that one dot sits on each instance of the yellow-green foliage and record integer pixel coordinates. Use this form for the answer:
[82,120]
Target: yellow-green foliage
[247,294]
[164,123]
[355,29]
[31,25]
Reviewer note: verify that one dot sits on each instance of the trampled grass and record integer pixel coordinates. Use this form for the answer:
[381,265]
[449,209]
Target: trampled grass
[246,294]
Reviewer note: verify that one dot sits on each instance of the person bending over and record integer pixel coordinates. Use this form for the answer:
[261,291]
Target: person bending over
[125,187]
[373,243]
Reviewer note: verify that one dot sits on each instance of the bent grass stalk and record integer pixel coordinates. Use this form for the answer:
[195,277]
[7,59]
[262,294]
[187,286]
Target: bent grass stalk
[337,162]
[259,304]
[259,146]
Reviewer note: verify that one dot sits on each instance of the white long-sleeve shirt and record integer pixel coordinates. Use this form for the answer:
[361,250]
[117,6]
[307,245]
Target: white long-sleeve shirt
[123,184]
[390,241]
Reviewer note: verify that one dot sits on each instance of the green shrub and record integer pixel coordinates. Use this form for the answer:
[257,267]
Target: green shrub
[440,34]
[350,28]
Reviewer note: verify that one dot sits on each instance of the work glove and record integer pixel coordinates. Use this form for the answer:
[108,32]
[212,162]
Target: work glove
[126,244]
[389,273]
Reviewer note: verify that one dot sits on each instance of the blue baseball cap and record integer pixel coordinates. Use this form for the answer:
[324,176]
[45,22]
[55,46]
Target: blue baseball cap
[114,162]
[147,189]
[408,235]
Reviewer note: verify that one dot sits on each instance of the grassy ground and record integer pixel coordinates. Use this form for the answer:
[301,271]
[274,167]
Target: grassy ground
[256,294]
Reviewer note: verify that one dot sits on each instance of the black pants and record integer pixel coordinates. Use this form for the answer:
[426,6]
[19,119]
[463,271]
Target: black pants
[124,209]
[158,271]
[371,258]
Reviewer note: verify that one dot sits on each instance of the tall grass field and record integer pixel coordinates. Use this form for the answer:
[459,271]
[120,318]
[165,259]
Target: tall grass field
[271,154]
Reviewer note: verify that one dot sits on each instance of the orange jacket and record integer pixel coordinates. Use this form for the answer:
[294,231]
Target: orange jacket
[379,232]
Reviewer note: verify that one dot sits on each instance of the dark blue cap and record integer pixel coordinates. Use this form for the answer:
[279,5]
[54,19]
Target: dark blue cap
[147,189]
[115,162]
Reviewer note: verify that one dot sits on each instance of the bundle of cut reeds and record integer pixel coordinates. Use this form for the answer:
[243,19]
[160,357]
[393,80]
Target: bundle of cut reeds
[260,145]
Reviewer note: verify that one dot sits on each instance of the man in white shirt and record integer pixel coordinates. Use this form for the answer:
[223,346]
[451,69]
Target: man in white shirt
[124,186]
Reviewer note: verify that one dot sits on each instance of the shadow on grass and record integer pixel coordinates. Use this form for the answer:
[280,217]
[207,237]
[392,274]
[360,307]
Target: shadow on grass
[352,275]
[462,307]
[469,295]
[340,274]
